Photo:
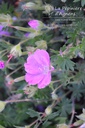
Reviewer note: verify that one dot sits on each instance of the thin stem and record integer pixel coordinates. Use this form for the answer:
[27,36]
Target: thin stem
[3,51]
[5,41]
[37,121]
[13,64]
[4,54]
[56,81]
[14,71]
[23,41]
[15,37]
[16,101]
[25,100]
[57,88]
[73,112]
[55,103]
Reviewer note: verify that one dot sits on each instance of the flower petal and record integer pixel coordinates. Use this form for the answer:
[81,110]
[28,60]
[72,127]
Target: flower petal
[33,79]
[45,81]
[32,67]
[42,57]
[34,24]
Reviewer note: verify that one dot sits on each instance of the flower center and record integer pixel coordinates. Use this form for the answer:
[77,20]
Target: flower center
[45,69]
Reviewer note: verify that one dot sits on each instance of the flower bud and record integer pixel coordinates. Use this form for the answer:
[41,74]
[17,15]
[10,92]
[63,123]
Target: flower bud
[77,123]
[16,51]
[48,110]
[62,126]
[63,1]
[2,64]
[42,44]
[30,49]
[54,96]
[5,20]
[2,105]
[36,24]
[29,5]
[27,126]
[48,9]
[30,91]
[9,82]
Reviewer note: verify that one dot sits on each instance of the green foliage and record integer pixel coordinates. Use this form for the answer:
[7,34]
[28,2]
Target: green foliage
[64,63]
[63,37]
[6,9]
[82,2]
[33,113]
[64,107]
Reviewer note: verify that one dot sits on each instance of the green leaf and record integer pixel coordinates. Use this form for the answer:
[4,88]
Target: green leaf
[3,44]
[33,113]
[77,91]
[61,120]
[46,124]
[65,63]
[6,9]
[52,116]
[64,107]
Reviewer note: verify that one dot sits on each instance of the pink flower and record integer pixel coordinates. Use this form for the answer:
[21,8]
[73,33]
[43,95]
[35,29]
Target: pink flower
[34,24]
[38,69]
[2,65]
